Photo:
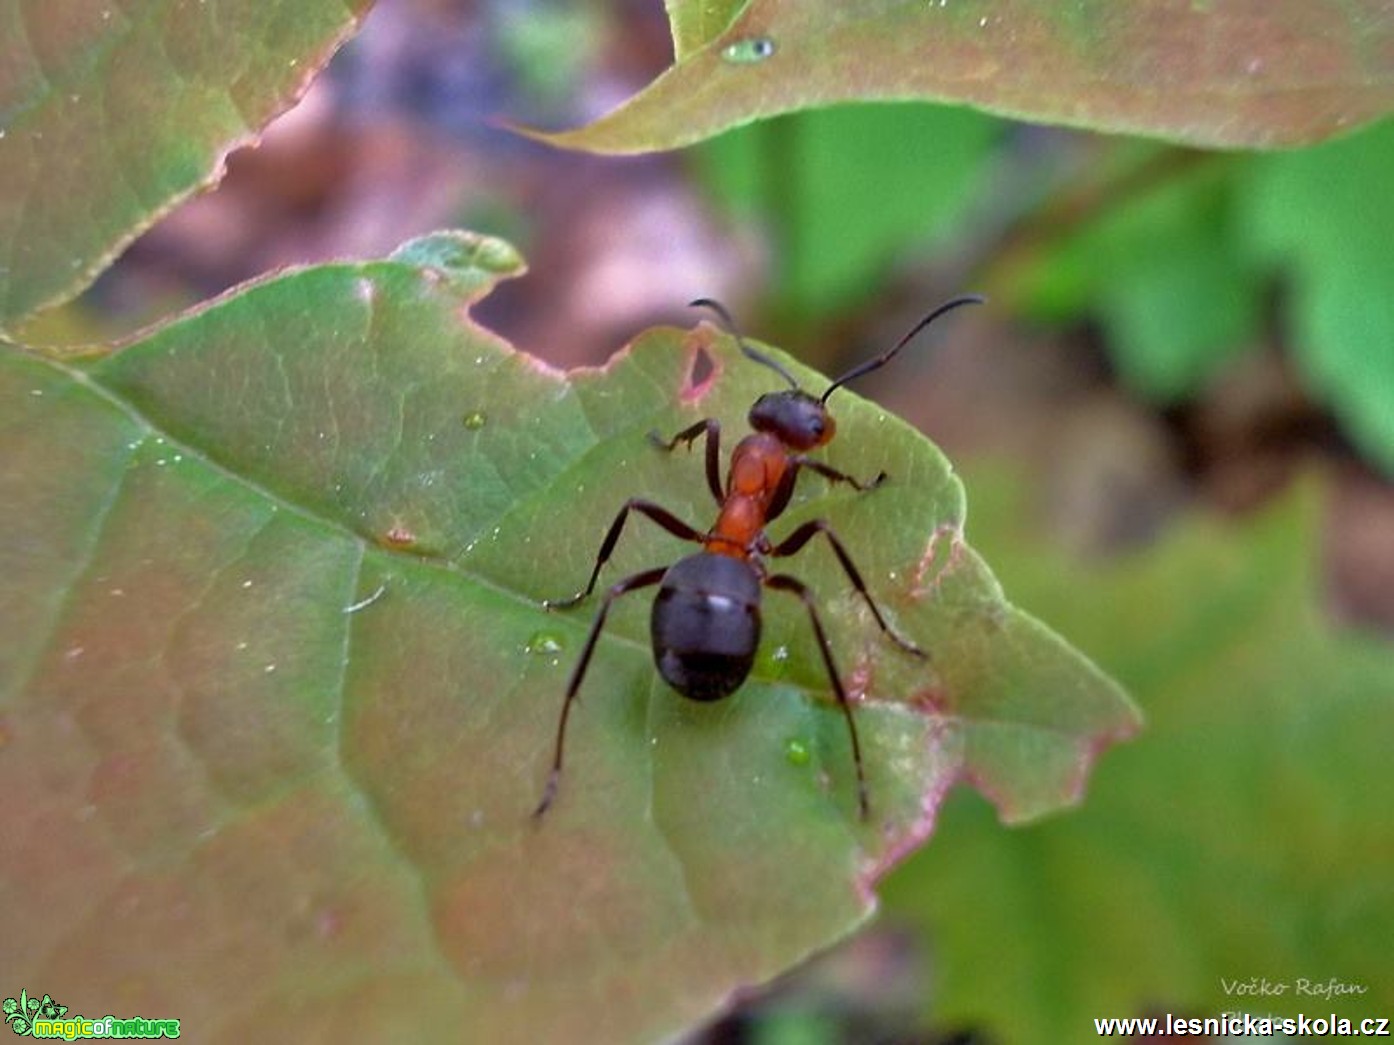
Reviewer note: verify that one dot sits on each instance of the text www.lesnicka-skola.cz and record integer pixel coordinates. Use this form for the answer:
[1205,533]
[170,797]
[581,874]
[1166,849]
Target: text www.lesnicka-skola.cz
[1241,1023]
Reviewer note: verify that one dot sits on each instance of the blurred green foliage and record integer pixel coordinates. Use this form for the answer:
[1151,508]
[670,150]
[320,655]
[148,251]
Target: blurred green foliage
[1244,834]
[1160,269]
[1179,271]
[1180,274]
[550,50]
[844,192]
[1323,219]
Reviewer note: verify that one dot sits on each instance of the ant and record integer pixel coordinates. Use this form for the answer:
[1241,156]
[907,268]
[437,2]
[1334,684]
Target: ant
[705,623]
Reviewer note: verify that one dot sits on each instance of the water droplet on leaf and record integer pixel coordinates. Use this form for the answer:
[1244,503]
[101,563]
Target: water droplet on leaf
[745,52]
[544,642]
[796,751]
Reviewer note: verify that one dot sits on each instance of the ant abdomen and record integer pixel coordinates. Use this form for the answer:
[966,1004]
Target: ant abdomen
[705,625]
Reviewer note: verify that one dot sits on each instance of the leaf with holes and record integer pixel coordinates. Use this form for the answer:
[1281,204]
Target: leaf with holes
[1270,73]
[277,693]
[111,113]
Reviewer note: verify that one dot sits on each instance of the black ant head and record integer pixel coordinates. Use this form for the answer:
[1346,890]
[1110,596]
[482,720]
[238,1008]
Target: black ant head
[794,417]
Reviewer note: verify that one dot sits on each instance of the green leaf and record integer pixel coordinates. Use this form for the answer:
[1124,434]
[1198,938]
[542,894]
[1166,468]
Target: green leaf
[1324,218]
[1264,73]
[1247,835]
[275,661]
[850,188]
[111,113]
[1167,274]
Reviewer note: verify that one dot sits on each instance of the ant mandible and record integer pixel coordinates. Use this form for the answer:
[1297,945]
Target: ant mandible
[705,623]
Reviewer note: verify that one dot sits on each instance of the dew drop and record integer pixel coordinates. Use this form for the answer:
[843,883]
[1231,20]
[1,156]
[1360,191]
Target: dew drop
[475,421]
[545,642]
[776,661]
[748,51]
[796,751]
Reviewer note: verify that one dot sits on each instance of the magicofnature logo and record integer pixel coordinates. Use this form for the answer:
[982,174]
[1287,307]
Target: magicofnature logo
[21,1012]
[45,1018]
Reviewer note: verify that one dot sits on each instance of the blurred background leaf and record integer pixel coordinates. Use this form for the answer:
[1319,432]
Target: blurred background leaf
[1245,835]
[1323,220]
[1179,274]
[1165,275]
[110,114]
[843,192]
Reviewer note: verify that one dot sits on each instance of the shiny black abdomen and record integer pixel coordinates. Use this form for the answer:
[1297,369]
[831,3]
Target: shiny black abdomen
[705,625]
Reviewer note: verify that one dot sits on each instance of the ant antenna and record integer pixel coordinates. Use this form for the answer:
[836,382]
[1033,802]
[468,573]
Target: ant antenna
[751,353]
[885,357]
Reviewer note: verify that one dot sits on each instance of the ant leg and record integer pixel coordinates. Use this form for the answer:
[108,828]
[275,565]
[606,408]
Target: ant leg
[783,582]
[833,475]
[805,533]
[712,427]
[638,580]
[784,490]
[657,513]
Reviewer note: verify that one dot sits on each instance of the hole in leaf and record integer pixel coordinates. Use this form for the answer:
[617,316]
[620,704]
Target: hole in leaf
[701,371]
